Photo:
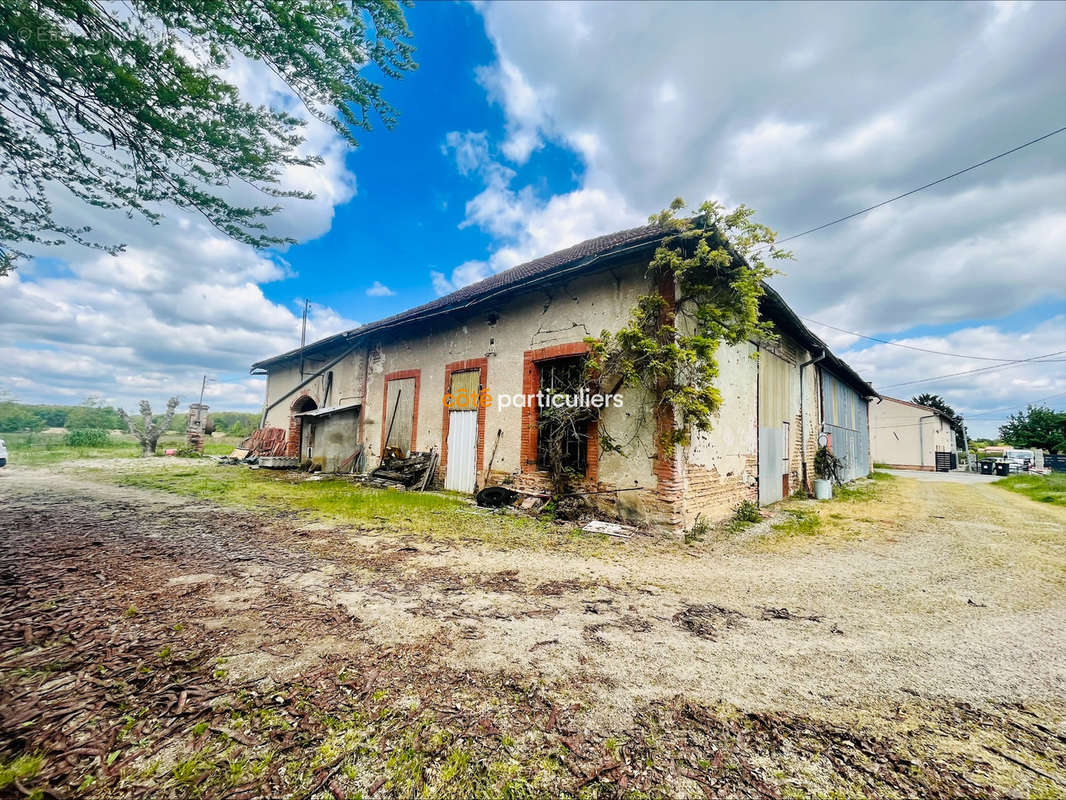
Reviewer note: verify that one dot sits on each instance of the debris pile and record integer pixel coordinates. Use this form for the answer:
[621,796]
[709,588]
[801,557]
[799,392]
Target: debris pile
[707,621]
[266,447]
[415,471]
[266,442]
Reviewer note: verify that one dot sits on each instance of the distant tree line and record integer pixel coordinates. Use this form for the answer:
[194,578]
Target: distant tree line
[15,417]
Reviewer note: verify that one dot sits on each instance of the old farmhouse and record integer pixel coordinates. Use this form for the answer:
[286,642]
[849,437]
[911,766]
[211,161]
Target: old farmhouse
[344,399]
[905,435]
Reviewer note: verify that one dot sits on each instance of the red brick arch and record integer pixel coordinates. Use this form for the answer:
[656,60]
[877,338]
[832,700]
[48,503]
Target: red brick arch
[302,403]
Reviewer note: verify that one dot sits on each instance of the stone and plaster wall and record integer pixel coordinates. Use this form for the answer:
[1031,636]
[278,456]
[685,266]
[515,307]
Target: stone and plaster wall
[506,342]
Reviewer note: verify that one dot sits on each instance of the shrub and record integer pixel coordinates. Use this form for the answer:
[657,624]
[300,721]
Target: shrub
[827,466]
[747,511]
[87,437]
[700,528]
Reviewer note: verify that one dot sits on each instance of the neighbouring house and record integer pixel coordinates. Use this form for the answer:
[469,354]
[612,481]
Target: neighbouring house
[346,398]
[905,435]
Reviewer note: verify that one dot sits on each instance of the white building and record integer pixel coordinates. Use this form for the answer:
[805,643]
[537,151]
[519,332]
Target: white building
[905,435]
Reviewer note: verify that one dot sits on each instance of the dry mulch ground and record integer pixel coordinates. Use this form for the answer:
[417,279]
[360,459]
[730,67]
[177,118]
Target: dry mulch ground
[152,649]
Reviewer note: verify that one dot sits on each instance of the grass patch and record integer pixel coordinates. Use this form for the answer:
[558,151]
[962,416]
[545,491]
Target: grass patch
[799,522]
[857,509]
[44,449]
[435,514]
[23,768]
[1042,488]
[862,490]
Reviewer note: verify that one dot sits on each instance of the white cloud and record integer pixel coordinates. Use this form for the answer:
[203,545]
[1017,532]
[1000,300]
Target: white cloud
[807,113]
[525,108]
[864,102]
[181,300]
[378,289]
[980,396]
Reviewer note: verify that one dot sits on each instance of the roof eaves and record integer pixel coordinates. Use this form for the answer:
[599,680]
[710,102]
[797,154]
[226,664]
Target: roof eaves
[936,411]
[779,311]
[524,275]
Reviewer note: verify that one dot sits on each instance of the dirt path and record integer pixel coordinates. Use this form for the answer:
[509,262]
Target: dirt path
[940,595]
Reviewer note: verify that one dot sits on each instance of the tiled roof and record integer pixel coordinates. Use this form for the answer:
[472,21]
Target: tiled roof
[575,256]
[580,256]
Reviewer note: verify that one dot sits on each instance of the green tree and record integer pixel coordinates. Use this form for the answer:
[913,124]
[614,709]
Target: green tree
[1037,426]
[15,417]
[940,404]
[93,416]
[127,105]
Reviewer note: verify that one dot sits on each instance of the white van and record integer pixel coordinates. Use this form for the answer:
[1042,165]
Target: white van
[1019,460]
[3,454]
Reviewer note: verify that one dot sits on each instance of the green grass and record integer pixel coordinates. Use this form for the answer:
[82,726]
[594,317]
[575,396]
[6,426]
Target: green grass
[862,490]
[336,501]
[23,768]
[799,522]
[43,449]
[1042,488]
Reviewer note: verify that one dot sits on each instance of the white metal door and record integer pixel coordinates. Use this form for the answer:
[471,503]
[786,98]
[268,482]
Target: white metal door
[461,472]
[774,412]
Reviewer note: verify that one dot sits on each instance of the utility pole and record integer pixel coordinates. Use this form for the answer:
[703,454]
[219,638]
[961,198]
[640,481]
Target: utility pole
[303,335]
[203,386]
[965,444]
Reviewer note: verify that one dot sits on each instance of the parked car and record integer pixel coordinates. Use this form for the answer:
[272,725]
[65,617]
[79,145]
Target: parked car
[1019,460]
[3,454]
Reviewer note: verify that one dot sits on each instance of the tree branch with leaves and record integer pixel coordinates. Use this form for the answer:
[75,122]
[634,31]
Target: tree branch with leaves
[715,263]
[128,106]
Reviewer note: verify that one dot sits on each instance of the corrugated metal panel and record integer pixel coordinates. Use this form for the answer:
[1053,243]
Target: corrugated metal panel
[774,389]
[845,416]
[462,451]
[400,435]
[775,394]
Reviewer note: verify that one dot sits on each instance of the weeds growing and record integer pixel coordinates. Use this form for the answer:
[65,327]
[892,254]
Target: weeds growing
[1042,488]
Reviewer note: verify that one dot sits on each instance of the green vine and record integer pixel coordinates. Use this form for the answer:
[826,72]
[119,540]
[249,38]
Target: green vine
[714,260]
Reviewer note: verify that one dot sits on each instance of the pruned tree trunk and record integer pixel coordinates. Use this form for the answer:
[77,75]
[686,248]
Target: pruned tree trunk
[148,432]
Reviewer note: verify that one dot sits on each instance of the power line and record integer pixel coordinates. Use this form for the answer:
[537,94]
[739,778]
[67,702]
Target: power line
[921,188]
[905,346]
[1017,406]
[1034,359]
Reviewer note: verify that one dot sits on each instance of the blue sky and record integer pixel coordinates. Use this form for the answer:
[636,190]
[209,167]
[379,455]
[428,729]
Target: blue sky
[528,127]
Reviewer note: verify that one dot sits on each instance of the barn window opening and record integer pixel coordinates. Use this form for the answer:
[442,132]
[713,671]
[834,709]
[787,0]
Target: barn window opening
[562,376]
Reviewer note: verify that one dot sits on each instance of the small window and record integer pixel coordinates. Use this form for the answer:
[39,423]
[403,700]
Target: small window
[563,376]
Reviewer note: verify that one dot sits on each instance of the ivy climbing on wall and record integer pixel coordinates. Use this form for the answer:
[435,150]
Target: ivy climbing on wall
[715,262]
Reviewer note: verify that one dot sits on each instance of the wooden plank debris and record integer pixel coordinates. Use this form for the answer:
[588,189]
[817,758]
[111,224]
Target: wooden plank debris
[608,528]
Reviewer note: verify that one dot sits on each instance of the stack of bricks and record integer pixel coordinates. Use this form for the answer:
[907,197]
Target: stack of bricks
[194,426]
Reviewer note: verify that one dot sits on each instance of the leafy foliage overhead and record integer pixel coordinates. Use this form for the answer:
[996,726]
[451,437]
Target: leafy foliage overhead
[127,105]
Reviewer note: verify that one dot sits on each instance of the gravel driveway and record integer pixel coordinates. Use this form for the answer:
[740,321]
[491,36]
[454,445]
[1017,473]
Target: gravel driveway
[934,598]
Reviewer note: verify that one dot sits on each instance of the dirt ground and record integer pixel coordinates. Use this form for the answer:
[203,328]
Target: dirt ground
[153,647]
